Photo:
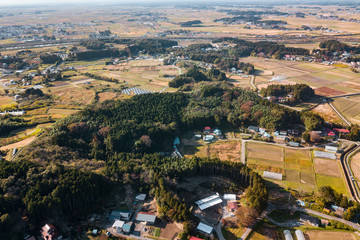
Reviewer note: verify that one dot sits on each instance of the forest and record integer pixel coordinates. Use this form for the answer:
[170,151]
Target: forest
[298,92]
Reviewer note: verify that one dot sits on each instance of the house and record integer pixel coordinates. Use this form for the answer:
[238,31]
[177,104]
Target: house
[280,138]
[206,229]
[324,222]
[49,232]
[329,133]
[253,129]
[207,130]
[140,197]
[118,225]
[127,227]
[197,136]
[326,210]
[208,138]
[232,206]
[148,218]
[120,215]
[283,133]
[217,132]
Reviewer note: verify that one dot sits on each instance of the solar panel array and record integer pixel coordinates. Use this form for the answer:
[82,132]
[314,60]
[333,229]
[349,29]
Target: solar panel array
[136,91]
[209,202]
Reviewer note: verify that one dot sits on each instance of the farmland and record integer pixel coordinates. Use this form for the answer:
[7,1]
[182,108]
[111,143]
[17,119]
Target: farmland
[349,107]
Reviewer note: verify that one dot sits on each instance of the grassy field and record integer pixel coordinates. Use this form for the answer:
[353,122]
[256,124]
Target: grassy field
[232,233]
[6,103]
[336,183]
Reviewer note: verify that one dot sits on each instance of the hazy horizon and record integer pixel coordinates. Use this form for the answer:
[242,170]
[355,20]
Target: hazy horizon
[56,2]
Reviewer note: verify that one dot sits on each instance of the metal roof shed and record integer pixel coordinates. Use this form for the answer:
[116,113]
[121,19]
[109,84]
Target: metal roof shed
[204,228]
[299,235]
[146,217]
[229,197]
[287,235]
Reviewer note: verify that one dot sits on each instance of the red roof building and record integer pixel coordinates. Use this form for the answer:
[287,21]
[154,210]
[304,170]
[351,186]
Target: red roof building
[232,206]
[341,130]
[329,133]
[195,238]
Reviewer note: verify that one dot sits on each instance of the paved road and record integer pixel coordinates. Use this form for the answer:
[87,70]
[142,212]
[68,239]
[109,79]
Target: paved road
[219,232]
[252,82]
[319,214]
[243,151]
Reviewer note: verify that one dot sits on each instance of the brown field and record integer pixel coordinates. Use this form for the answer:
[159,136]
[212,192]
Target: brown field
[355,165]
[297,154]
[327,167]
[265,152]
[328,235]
[224,150]
[19,144]
[328,92]
[62,111]
[327,113]
[170,231]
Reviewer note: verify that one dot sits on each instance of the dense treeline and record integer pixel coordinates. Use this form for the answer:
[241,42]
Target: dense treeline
[245,48]
[96,54]
[194,75]
[50,58]
[140,124]
[150,46]
[190,23]
[299,92]
[224,59]
[9,123]
[40,193]
[336,46]
[93,44]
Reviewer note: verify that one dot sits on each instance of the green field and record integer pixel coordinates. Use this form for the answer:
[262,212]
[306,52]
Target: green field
[335,182]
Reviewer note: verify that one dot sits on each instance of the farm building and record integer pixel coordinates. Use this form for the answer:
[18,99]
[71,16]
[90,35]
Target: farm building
[287,235]
[208,202]
[253,129]
[140,197]
[146,217]
[135,91]
[340,130]
[331,149]
[299,235]
[321,154]
[280,138]
[120,215]
[118,225]
[272,175]
[204,228]
[230,197]
[294,144]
